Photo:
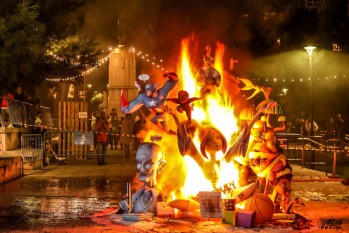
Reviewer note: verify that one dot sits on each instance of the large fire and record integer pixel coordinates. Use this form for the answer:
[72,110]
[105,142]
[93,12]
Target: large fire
[200,156]
[219,114]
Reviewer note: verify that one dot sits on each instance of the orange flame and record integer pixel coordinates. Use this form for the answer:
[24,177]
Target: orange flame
[219,57]
[217,113]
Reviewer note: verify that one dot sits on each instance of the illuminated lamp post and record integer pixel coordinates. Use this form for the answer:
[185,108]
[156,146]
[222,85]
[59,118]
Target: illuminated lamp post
[89,85]
[310,50]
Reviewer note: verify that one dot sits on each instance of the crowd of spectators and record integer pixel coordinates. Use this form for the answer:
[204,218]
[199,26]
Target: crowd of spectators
[334,128]
[119,133]
[18,108]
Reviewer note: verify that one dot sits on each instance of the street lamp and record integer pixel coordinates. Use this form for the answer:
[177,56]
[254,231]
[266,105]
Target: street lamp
[310,50]
[89,85]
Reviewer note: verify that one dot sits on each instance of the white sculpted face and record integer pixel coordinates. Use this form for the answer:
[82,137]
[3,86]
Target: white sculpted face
[149,160]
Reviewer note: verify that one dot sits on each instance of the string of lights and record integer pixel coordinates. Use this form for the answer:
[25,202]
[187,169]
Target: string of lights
[157,63]
[298,79]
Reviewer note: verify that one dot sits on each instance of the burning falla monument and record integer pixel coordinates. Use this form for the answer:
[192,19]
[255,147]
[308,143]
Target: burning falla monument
[210,153]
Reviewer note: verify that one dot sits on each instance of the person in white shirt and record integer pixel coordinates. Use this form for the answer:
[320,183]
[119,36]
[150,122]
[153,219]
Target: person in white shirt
[307,126]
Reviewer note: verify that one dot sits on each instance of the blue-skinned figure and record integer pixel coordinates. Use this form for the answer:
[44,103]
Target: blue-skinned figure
[153,99]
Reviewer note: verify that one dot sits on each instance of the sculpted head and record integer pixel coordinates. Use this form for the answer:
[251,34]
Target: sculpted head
[211,140]
[150,162]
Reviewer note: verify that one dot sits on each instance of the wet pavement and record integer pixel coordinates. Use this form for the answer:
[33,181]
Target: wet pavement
[65,198]
[64,194]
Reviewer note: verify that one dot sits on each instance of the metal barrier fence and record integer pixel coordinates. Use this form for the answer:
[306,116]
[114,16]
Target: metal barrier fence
[78,145]
[22,114]
[32,151]
[317,149]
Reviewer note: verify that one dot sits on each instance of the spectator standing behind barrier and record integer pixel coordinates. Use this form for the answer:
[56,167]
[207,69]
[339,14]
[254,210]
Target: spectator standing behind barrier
[126,128]
[308,127]
[331,131]
[19,94]
[5,110]
[20,118]
[114,126]
[33,111]
[339,123]
[102,130]
[38,128]
[93,127]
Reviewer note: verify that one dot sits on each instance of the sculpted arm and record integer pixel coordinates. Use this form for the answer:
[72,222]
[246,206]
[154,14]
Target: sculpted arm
[134,105]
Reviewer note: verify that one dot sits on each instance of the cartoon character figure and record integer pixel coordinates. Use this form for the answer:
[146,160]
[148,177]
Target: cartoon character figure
[267,160]
[184,103]
[150,162]
[208,76]
[154,99]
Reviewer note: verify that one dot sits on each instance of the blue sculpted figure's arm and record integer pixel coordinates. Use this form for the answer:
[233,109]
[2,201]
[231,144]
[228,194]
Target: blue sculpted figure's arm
[134,105]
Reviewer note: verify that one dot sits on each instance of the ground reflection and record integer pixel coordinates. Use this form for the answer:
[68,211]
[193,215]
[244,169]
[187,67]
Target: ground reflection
[25,203]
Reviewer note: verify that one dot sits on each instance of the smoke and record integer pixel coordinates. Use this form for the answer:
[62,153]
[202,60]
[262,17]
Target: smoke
[102,16]
[291,70]
[158,26]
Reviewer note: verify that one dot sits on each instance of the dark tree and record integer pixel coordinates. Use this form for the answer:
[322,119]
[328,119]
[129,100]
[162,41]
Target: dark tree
[22,42]
[38,41]
[68,58]
[60,17]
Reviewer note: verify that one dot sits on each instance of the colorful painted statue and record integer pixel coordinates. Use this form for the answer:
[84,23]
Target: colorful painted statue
[184,103]
[208,77]
[267,160]
[150,162]
[264,156]
[154,99]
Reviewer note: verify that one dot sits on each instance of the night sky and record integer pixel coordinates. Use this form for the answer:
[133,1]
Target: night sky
[159,25]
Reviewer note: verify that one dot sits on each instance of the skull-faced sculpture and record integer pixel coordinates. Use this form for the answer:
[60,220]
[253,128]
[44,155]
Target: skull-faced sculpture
[150,162]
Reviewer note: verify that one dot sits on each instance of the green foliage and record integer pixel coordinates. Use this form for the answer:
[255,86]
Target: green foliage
[38,40]
[70,56]
[58,17]
[21,40]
